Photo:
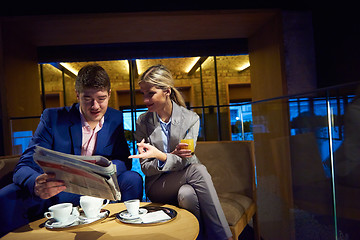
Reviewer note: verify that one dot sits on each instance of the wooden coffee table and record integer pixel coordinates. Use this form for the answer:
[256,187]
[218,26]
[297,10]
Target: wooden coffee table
[184,226]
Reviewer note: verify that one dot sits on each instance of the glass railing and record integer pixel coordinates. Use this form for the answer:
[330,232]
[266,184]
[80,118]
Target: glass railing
[307,150]
[307,158]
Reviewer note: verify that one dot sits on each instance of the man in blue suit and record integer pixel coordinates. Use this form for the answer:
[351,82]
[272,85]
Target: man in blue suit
[87,128]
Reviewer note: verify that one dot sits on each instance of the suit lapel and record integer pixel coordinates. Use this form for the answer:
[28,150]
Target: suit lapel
[154,131]
[75,129]
[176,127]
[176,130]
[102,135]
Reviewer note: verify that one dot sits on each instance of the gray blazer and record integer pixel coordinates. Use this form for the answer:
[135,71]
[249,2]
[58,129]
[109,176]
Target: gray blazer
[184,125]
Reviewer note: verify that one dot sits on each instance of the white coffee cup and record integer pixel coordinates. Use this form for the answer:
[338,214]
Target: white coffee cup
[133,206]
[92,205]
[60,212]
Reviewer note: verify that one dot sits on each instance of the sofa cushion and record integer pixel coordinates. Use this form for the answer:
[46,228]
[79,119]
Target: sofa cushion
[234,205]
[229,164]
[7,165]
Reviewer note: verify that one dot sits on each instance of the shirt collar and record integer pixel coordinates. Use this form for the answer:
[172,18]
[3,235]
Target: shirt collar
[162,122]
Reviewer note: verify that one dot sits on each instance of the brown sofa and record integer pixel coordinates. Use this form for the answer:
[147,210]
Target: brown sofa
[7,165]
[231,166]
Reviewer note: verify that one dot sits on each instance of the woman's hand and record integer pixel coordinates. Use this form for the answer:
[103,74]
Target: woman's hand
[181,151]
[148,151]
[46,186]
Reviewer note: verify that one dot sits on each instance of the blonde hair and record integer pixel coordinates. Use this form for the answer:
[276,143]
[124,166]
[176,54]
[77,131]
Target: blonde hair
[160,77]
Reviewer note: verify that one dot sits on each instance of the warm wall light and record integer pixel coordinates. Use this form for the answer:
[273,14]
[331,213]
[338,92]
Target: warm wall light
[140,69]
[191,64]
[69,68]
[243,67]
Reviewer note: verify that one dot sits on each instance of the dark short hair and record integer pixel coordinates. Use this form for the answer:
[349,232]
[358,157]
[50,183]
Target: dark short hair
[92,76]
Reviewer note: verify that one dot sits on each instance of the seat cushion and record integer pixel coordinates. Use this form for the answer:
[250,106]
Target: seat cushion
[234,206]
[230,159]
[7,165]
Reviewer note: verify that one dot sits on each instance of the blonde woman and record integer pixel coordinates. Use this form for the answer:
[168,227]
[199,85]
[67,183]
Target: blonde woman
[174,175]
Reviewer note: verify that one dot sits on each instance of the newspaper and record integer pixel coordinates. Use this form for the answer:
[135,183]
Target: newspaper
[84,175]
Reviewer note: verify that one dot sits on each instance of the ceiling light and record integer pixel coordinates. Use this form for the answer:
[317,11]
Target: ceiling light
[192,64]
[140,69]
[243,67]
[69,68]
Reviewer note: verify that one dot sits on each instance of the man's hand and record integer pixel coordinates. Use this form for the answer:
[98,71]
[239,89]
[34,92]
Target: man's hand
[46,186]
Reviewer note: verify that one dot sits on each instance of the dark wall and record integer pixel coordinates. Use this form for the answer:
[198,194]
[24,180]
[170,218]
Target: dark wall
[336,28]
[337,39]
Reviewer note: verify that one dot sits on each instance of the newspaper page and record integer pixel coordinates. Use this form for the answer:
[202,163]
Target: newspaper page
[84,175]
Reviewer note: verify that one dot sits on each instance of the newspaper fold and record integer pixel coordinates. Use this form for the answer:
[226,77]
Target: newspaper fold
[84,175]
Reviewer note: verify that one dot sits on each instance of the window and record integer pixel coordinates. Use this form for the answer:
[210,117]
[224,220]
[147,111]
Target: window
[21,141]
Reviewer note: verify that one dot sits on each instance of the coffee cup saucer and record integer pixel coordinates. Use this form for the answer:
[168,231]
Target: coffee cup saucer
[52,223]
[103,213]
[126,215]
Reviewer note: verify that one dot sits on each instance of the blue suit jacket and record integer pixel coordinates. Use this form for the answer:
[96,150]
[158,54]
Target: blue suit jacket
[60,130]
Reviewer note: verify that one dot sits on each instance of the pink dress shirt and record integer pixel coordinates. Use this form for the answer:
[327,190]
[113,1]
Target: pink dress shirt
[89,136]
